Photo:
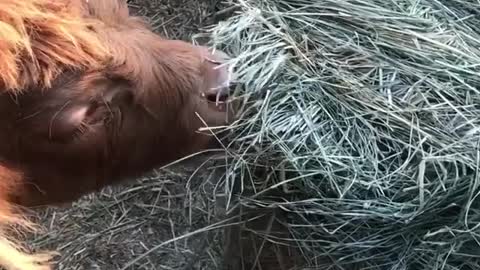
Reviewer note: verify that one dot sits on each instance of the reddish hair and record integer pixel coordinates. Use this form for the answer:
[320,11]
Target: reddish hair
[41,38]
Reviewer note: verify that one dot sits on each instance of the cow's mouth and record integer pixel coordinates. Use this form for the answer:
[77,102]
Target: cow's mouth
[218,100]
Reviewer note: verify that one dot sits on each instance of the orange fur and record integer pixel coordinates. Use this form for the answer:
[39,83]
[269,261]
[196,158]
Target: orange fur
[41,38]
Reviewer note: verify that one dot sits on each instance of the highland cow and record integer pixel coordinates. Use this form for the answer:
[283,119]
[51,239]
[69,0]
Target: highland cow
[90,96]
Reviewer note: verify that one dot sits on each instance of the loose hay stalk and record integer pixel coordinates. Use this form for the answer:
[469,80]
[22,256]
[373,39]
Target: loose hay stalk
[366,115]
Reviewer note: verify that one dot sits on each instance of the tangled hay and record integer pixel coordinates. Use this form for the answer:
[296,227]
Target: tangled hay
[165,220]
[364,116]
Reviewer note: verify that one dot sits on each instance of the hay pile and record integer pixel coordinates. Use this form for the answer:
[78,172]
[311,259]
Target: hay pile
[363,118]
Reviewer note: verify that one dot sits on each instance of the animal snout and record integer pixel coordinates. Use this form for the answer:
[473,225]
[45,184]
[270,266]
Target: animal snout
[217,77]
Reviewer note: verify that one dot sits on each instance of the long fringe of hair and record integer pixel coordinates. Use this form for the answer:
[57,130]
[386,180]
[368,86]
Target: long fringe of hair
[41,38]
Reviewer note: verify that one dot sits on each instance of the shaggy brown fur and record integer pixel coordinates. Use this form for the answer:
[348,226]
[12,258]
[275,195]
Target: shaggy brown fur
[89,96]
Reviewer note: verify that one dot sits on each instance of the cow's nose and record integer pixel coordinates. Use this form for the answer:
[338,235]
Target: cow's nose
[218,76]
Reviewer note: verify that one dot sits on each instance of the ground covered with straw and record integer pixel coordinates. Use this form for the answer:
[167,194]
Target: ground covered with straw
[359,131]
[362,125]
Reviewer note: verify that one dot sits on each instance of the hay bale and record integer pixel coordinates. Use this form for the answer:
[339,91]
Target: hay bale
[364,115]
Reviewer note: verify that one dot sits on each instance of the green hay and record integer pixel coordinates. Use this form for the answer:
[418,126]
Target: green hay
[365,114]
